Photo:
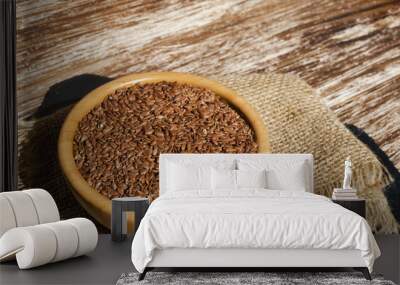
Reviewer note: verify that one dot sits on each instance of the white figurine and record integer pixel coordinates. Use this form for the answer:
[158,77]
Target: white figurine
[347,174]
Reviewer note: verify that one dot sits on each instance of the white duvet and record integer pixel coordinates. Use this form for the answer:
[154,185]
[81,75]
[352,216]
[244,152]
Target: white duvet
[250,218]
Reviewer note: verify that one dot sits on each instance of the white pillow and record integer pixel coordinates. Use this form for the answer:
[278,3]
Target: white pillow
[181,178]
[281,174]
[251,178]
[293,180]
[226,179]
[223,179]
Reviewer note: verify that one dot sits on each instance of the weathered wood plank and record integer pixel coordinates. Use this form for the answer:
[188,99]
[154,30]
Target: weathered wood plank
[348,50]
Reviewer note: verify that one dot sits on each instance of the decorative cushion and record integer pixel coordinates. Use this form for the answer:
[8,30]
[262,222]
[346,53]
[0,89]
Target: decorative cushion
[223,179]
[200,169]
[188,177]
[226,179]
[251,178]
[281,174]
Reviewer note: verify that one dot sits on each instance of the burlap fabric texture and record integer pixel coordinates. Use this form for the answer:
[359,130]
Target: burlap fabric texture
[297,122]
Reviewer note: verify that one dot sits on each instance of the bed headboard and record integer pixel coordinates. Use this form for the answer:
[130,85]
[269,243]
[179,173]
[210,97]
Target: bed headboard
[229,158]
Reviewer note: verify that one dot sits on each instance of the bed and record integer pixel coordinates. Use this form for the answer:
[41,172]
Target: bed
[247,211]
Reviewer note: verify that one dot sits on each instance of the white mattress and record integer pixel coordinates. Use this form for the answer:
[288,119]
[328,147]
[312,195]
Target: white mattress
[252,219]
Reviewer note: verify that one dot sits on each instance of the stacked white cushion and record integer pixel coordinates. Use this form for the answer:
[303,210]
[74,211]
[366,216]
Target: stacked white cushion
[31,230]
[65,236]
[23,209]
[41,244]
[7,218]
[44,204]
[87,235]
[283,174]
[27,208]
[32,246]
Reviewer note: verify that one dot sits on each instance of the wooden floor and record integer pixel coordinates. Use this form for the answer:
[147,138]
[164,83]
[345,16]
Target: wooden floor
[349,51]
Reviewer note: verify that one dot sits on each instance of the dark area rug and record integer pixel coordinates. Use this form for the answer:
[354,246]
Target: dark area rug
[270,278]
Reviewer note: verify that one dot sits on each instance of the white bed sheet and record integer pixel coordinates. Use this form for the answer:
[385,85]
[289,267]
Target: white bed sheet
[252,218]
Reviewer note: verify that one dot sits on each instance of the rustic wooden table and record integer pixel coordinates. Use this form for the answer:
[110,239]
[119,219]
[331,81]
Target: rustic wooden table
[349,50]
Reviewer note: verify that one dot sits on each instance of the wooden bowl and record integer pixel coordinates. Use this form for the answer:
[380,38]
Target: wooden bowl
[97,205]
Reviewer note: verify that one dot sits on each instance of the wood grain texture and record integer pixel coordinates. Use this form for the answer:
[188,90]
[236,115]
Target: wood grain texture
[349,51]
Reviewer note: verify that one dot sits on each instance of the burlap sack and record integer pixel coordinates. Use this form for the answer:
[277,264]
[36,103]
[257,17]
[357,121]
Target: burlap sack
[297,123]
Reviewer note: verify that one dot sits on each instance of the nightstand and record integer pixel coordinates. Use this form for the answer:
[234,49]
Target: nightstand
[357,205]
